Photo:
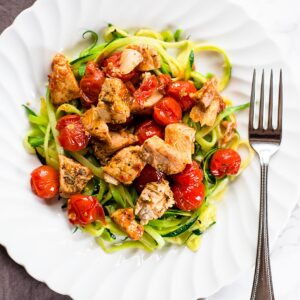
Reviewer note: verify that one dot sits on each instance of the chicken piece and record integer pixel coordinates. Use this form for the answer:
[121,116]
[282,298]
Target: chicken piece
[182,138]
[115,98]
[154,201]
[94,125]
[151,58]
[62,83]
[126,165]
[229,132]
[72,176]
[124,218]
[129,60]
[162,156]
[119,140]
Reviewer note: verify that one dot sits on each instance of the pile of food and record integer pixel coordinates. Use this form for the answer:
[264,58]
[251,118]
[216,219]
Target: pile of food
[136,140]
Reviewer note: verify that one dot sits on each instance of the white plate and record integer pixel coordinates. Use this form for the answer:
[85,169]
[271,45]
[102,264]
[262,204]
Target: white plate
[40,238]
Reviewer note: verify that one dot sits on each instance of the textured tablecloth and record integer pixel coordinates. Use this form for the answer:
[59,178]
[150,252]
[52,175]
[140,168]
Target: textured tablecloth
[281,19]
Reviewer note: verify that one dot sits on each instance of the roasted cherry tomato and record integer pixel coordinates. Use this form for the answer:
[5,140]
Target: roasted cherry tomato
[148,129]
[44,182]
[190,176]
[72,135]
[225,162]
[163,82]
[188,197]
[90,84]
[167,111]
[148,174]
[112,65]
[83,210]
[148,86]
[180,91]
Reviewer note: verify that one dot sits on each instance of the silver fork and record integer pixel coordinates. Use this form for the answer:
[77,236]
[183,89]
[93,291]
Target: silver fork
[265,142]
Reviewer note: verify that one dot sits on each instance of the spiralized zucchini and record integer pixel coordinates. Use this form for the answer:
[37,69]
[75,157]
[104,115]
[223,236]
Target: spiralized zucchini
[178,56]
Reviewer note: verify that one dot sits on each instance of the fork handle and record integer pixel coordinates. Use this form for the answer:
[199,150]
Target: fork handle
[262,288]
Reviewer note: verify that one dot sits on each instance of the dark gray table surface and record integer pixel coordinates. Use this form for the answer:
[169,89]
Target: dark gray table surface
[15,283]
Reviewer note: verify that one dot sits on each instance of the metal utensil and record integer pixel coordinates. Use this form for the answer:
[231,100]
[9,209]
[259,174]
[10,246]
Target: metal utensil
[265,142]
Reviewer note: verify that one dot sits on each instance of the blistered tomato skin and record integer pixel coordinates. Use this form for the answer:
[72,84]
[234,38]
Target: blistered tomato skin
[148,129]
[225,162]
[148,86]
[83,210]
[192,175]
[167,111]
[44,182]
[180,91]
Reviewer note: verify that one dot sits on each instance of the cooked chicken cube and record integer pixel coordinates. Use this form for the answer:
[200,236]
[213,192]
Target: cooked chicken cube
[116,98]
[151,58]
[154,201]
[94,125]
[72,176]
[124,218]
[62,83]
[119,140]
[182,138]
[129,60]
[126,165]
[162,156]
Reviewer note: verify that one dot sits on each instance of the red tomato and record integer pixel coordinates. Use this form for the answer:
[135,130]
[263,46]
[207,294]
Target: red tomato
[188,197]
[146,89]
[225,162]
[44,182]
[148,174]
[112,64]
[180,91]
[83,210]
[148,129]
[72,135]
[90,84]
[163,81]
[191,175]
[167,111]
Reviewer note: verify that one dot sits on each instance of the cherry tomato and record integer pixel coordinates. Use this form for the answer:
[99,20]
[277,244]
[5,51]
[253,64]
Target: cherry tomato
[44,182]
[188,197]
[146,89]
[225,162]
[148,129]
[72,135]
[112,64]
[180,91]
[163,81]
[190,176]
[90,84]
[148,174]
[167,111]
[83,210]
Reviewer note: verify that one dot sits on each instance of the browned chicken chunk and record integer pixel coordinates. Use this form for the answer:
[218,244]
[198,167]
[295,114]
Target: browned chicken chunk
[62,83]
[72,176]
[126,165]
[162,156]
[154,201]
[182,138]
[115,98]
[124,218]
[119,140]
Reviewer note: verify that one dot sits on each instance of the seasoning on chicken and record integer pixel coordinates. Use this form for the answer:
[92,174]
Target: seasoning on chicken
[182,138]
[126,165]
[62,83]
[124,218]
[103,151]
[72,176]
[151,58]
[114,98]
[208,103]
[154,201]
[129,60]
[162,156]
[94,124]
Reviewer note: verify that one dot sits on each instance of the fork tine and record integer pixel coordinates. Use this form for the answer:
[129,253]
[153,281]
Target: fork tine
[261,101]
[279,122]
[270,116]
[252,101]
